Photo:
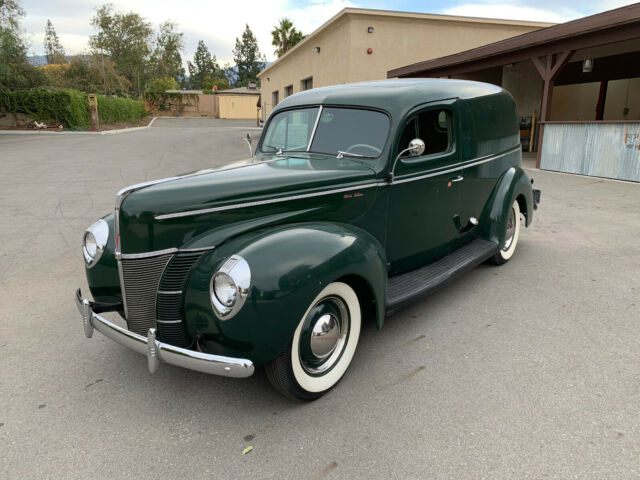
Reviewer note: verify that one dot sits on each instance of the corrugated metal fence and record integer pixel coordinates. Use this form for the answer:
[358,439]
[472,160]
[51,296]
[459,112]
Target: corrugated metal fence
[600,149]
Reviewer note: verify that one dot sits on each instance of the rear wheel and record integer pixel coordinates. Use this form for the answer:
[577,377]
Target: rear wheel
[511,237]
[322,347]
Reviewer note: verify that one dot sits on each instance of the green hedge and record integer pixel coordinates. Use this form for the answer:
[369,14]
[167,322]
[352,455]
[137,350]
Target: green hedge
[117,109]
[69,107]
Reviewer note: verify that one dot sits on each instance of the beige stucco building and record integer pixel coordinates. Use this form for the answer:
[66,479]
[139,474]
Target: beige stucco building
[359,44]
[235,103]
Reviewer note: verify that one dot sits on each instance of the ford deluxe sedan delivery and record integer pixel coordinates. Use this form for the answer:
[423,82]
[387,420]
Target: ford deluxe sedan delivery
[360,199]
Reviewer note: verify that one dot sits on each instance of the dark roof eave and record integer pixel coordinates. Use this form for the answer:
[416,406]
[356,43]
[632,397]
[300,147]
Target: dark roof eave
[581,26]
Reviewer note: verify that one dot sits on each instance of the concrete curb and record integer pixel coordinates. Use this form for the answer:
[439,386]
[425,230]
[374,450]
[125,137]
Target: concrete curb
[47,132]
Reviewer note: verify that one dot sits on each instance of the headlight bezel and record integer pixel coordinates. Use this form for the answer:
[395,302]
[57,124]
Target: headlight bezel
[237,269]
[100,233]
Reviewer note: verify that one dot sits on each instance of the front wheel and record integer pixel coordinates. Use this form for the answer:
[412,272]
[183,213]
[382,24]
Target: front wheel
[511,237]
[322,347]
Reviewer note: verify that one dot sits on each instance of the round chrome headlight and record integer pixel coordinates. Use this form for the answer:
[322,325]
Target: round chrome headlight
[225,289]
[230,287]
[94,241]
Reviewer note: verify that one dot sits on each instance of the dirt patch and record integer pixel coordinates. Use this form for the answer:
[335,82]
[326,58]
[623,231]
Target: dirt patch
[143,122]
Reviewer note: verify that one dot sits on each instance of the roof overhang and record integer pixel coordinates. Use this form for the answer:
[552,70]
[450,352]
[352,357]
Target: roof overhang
[609,27]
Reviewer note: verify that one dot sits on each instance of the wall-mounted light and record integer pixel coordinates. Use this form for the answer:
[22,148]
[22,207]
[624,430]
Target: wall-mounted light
[316,49]
[587,65]
[369,51]
[370,29]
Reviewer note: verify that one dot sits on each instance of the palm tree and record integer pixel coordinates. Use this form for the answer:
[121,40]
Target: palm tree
[285,36]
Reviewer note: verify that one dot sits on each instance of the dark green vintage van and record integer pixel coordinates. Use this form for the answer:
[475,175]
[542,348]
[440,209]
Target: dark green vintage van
[360,199]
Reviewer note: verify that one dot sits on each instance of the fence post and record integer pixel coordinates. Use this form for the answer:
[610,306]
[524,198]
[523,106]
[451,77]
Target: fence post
[93,111]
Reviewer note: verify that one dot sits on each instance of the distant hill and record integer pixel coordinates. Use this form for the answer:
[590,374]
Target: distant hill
[37,60]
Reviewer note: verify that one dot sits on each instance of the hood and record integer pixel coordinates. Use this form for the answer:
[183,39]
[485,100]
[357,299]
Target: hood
[177,212]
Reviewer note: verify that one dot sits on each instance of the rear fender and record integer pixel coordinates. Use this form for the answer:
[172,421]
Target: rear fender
[514,184]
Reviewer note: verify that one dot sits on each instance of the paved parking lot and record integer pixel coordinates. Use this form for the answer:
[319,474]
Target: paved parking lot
[530,370]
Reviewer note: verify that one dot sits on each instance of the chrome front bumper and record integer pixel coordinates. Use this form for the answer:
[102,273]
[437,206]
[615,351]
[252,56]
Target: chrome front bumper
[157,351]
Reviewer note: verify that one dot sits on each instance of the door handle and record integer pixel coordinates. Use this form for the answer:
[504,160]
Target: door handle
[459,178]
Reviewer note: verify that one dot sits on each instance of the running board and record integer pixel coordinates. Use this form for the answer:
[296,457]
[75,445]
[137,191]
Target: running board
[407,287]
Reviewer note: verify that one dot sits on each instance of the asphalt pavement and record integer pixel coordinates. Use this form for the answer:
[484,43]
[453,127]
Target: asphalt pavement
[529,370]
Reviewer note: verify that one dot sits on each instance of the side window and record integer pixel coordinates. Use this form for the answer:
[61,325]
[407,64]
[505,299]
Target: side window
[433,127]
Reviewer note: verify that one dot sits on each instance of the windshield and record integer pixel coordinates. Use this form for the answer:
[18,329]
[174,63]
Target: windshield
[338,131]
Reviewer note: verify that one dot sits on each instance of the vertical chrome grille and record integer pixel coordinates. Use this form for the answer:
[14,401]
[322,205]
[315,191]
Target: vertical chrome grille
[171,328]
[141,277]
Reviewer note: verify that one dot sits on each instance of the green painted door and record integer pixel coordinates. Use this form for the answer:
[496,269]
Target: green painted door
[424,198]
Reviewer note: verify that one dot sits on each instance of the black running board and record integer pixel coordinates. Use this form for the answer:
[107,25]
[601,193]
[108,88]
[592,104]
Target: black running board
[407,287]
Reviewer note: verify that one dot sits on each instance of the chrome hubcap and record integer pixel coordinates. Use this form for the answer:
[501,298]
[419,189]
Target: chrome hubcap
[324,335]
[511,229]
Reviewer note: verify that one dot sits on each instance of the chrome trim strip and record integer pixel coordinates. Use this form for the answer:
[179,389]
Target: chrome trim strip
[157,352]
[156,253]
[264,202]
[175,292]
[315,126]
[189,213]
[168,321]
[472,163]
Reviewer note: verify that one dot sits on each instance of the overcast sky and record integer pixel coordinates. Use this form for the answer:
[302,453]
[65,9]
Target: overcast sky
[219,22]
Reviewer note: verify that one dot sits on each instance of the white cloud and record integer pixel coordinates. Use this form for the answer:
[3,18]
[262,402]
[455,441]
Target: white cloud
[513,12]
[217,22]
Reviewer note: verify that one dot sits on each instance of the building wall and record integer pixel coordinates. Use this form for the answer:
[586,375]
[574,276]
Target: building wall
[328,67]
[575,102]
[623,94]
[397,39]
[238,106]
[524,83]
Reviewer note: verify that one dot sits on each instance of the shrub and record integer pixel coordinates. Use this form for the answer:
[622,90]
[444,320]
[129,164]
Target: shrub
[69,107]
[116,109]
[162,84]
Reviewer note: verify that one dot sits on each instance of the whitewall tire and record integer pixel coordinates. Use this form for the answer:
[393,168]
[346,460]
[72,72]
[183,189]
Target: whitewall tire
[511,237]
[322,347]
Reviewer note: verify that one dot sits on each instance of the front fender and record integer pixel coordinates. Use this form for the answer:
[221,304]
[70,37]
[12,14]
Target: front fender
[514,184]
[289,265]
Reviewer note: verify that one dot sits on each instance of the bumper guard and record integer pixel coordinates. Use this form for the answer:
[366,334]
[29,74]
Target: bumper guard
[157,351]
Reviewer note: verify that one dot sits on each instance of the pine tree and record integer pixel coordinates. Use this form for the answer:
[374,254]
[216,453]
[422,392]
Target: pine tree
[53,49]
[249,61]
[204,65]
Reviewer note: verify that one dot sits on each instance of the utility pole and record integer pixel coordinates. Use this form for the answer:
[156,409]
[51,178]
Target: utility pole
[104,76]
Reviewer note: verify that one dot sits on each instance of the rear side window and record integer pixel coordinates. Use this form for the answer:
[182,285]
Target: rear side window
[433,127]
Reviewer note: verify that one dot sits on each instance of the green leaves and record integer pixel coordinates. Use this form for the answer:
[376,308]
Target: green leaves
[249,61]
[204,71]
[247,450]
[69,107]
[285,36]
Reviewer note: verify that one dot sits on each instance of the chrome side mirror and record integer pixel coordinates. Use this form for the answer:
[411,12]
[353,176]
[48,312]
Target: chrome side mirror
[248,140]
[415,149]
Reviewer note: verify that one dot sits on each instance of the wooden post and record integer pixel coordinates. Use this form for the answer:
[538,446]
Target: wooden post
[93,111]
[602,97]
[549,71]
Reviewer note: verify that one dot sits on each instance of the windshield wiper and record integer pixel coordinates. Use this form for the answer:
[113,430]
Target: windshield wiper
[342,154]
[278,149]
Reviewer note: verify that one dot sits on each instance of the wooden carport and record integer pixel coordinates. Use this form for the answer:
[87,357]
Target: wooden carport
[550,50]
